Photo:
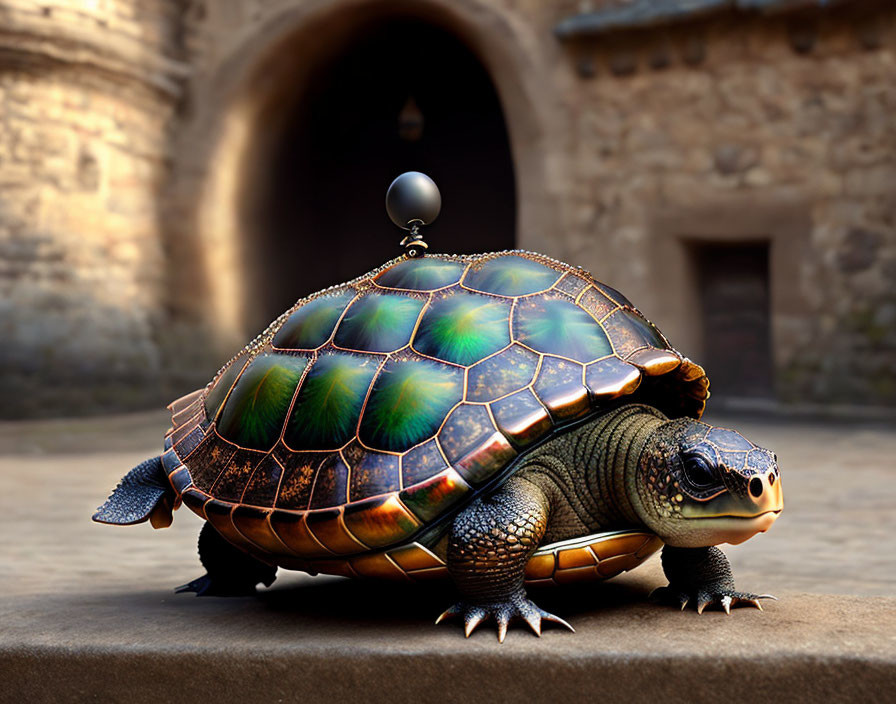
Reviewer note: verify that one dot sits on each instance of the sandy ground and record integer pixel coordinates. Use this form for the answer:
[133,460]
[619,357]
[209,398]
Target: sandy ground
[87,612]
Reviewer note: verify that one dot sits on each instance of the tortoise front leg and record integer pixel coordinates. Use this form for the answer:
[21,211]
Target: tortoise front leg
[490,543]
[702,576]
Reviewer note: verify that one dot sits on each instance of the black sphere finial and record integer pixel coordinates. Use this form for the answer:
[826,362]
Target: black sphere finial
[413,200]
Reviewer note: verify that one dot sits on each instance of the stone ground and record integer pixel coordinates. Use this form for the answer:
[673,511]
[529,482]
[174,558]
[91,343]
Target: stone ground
[87,605]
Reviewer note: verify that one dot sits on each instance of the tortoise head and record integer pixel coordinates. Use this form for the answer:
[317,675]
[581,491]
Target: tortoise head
[699,485]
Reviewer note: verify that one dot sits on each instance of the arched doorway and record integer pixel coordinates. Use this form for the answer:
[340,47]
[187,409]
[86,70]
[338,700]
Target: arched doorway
[395,95]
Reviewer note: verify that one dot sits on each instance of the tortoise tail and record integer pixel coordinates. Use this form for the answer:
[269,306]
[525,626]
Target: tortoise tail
[143,494]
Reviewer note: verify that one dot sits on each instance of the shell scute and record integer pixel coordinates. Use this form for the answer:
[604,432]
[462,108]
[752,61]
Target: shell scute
[221,386]
[218,514]
[522,418]
[379,322]
[189,441]
[377,473]
[328,406]
[208,459]
[501,374]
[292,530]
[330,483]
[408,403]
[463,328]
[571,285]
[311,325]
[560,388]
[232,481]
[428,274]
[614,295]
[328,527]
[380,521]
[180,479]
[473,445]
[265,481]
[510,275]
[420,463]
[654,362]
[611,377]
[252,522]
[299,470]
[597,304]
[429,498]
[557,326]
[253,413]
[630,332]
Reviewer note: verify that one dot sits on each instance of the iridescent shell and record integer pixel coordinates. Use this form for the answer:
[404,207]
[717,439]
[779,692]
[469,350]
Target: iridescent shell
[371,412]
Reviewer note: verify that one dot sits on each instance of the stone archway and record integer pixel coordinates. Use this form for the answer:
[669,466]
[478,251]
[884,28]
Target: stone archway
[395,95]
[253,111]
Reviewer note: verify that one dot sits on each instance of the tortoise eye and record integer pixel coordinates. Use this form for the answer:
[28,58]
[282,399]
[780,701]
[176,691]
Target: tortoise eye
[698,471]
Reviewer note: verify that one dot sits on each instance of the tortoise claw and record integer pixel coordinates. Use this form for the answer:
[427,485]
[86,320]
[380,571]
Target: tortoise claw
[472,619]
[545,616]
[503,613]
[533,618]
[503,618]
[453,610]
[704,597]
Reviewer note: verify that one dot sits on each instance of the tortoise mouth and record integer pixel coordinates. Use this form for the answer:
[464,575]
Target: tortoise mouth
[738,529]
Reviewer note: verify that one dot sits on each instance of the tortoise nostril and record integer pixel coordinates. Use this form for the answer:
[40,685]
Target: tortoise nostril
[756,487]
[771,479]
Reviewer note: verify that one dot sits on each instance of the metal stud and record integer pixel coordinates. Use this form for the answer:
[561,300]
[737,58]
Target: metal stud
[413,200]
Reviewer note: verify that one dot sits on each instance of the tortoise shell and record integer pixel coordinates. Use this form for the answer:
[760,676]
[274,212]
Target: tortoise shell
[372,411]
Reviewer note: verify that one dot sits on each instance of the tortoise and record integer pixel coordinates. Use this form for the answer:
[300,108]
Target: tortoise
[499,419]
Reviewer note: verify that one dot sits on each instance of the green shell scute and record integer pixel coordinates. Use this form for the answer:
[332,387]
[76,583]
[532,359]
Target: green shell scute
[408,403]
[511,275]
[218,393]
[379,322]
[312,325]
[253,414]
[425,274]
[326,412]
[559,327]
[464,328]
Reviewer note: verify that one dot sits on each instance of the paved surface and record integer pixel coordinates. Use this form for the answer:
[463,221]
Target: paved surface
[86,608]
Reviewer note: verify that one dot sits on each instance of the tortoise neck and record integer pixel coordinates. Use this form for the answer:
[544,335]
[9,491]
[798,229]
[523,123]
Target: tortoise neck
[614,445]
[588,473]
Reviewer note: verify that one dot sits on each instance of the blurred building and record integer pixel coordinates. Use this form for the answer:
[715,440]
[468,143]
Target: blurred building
[175,173]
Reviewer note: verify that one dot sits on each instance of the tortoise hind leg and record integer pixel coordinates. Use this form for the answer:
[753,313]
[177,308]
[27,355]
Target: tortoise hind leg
[229,571]
[490,543]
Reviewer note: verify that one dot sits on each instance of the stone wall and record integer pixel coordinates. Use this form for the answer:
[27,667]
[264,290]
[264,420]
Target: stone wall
[741,121]
[87,95]
[127,129]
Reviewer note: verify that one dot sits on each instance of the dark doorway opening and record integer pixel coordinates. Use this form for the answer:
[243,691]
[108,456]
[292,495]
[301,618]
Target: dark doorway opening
[399,96]
[733,281]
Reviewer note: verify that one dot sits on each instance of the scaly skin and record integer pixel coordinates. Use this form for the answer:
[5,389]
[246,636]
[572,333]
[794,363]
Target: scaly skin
[586,481]
[488,548]
[701,576]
